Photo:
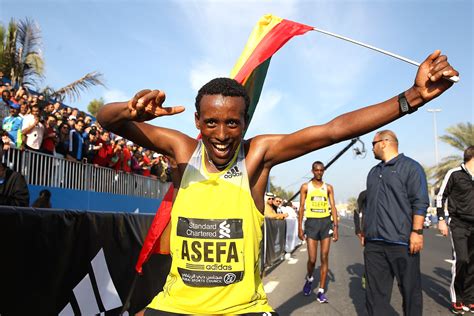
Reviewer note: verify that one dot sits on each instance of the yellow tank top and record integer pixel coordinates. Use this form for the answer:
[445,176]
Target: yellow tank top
[216,231]
[317,201]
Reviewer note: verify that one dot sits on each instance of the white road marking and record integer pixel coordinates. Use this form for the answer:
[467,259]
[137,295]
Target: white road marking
[303,250]
[449,261]
[270,286]
[439,235]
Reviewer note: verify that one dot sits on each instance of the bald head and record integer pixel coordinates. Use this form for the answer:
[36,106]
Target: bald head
[385,145]
[388,135]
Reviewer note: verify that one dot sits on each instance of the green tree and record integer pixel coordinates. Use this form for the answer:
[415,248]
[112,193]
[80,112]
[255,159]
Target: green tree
[21,61]
[20,52]
[460,136]
[279,191]
[352,204]
[95,105]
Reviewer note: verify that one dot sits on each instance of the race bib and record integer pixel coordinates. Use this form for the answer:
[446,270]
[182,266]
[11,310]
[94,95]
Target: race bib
[211,252]
[318,204]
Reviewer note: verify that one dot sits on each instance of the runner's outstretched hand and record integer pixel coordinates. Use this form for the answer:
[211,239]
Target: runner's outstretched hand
[148,104]
[431,78]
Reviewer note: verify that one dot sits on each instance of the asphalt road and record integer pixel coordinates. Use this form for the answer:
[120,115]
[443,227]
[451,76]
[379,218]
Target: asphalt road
[284,282]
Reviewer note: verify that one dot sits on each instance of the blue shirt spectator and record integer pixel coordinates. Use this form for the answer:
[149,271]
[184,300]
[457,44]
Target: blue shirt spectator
[13,123]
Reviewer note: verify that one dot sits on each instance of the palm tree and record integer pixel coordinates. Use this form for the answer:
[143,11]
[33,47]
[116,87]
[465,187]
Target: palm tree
[460,136]
[74,89]
[21,58]
[21,61]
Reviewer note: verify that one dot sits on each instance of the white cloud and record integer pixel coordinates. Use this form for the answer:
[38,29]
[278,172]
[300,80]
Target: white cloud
[202,72]
[115,96]
[261,121]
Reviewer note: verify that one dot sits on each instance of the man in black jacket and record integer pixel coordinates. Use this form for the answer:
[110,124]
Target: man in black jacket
[458,189]
[13,187]
[397,200]
[358,215]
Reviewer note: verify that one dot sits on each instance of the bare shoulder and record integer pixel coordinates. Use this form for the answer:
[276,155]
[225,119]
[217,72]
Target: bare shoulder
[304,187]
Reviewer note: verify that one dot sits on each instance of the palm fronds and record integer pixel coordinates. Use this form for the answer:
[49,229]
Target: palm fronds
[74,89]
[460,136]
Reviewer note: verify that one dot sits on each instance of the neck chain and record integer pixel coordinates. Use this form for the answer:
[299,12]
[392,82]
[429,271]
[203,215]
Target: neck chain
[218,167]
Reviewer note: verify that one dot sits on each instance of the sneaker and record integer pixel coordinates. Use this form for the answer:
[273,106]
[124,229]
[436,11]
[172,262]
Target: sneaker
[471,308]
[457,308]
[321,297]
[308,286]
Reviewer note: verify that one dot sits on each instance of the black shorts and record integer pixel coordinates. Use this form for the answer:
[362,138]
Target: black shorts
[318,228]
[154,312]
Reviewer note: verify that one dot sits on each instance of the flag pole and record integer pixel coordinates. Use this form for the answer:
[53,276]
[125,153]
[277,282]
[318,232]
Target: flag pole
[453,78]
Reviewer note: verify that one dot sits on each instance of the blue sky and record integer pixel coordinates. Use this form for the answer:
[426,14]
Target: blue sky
[177,46]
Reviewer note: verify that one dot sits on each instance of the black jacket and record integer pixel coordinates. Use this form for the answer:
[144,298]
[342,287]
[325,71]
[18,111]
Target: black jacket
[458,189]
[14,190]
[358,213]
[396,191]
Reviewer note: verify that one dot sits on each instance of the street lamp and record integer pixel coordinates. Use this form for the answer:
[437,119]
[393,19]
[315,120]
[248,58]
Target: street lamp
[435,132]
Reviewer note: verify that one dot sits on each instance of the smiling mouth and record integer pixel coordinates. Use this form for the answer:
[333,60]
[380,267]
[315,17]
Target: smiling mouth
[221,147]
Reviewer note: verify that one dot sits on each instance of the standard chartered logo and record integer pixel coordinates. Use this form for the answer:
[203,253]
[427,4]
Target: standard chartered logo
[224,230]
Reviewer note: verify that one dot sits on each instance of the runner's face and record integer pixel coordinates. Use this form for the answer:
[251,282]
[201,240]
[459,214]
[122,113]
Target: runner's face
[318,172]
[222,122]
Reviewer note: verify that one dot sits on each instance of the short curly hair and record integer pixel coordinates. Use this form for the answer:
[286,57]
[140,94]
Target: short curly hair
[223,86]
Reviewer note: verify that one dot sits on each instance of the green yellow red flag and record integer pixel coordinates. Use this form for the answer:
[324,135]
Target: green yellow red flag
[268,36]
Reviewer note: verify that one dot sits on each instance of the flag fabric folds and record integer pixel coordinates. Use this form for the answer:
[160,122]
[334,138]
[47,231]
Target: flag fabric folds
[267,37]
[162,217]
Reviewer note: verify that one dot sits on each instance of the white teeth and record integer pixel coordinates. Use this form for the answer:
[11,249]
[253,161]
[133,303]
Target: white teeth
[221,147]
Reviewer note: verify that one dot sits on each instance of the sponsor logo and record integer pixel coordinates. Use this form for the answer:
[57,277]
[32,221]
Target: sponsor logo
[224,230]
[197,228]
[229,278]
[96,292]
[233,172]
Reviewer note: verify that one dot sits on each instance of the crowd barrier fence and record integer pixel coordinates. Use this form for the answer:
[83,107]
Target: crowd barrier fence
[45,170]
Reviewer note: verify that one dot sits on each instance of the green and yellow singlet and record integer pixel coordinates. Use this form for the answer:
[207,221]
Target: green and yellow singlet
[216,231]
[317,201]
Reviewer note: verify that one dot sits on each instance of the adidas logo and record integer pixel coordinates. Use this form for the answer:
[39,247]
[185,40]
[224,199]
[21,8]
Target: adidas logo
[95,293]
[233,172]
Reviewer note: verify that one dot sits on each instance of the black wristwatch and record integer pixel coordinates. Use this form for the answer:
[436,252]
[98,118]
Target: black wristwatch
[418,231]
[404,105]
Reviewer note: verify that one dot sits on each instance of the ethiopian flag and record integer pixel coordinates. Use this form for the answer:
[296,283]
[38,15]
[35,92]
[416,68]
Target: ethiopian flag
[267,37]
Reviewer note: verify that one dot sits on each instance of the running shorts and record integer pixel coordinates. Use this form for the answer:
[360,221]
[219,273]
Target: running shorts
[318,228]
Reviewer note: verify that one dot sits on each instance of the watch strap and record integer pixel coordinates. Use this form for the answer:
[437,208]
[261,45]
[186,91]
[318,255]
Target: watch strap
[405,107]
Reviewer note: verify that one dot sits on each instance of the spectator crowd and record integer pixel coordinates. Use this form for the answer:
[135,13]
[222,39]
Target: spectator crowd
[31,122]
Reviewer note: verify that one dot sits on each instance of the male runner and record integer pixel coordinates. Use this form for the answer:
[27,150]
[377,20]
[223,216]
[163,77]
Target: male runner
[317,204]
[217,214]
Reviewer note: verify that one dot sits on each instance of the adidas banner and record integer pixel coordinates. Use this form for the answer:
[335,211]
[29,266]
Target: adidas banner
[62,262]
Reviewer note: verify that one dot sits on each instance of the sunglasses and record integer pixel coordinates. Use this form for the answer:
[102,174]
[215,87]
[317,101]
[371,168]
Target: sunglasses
[377,141]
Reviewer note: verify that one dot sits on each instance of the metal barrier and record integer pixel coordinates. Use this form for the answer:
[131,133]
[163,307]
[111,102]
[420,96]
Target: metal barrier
[46,170]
